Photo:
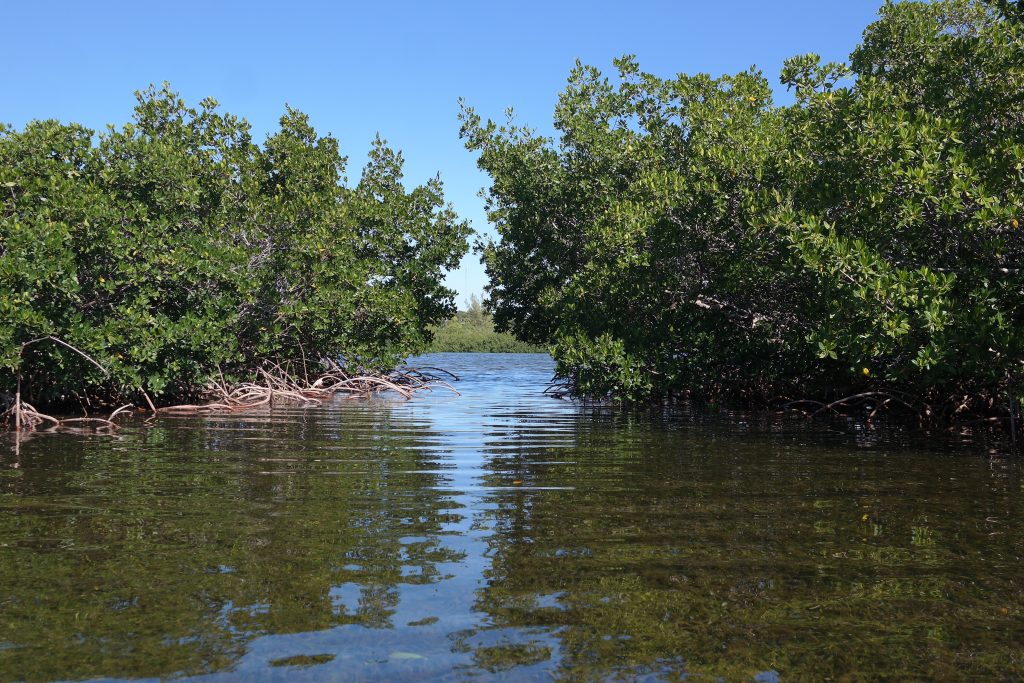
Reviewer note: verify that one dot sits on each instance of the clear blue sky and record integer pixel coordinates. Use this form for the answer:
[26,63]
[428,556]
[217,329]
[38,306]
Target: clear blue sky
[393,67]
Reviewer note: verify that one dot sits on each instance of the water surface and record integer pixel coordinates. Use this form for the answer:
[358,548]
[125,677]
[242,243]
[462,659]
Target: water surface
[502,534]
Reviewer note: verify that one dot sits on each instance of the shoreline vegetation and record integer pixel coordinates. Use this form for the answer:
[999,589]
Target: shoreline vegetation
[687,239]
[472,331]
[858,250]
[173,261]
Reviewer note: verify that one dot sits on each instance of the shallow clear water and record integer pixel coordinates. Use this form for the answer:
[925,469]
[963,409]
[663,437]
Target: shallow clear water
[504,535]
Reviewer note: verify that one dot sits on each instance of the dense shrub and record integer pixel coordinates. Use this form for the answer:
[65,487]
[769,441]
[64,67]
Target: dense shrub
[472,331]
[689,236]
[174,249]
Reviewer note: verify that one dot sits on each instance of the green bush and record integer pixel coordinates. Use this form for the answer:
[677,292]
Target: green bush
[688,236]
[472,331]
[174,249]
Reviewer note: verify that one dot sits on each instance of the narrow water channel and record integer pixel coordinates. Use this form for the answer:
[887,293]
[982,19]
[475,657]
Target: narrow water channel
[504,535]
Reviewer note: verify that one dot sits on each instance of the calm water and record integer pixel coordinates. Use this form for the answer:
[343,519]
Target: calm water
[504,535]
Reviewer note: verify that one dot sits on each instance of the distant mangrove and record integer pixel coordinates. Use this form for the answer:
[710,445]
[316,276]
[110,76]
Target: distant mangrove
[472,331]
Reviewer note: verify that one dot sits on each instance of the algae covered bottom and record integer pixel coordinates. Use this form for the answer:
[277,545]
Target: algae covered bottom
[504,535]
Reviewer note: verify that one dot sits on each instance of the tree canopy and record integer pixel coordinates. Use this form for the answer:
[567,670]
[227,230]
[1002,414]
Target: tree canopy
[174,249]
[689,236]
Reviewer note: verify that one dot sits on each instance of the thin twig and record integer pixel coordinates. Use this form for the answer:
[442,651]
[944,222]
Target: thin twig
[861,397]
[83,354]
[127,406]
[148,400]
[17,406]
[88,419]
[430,367]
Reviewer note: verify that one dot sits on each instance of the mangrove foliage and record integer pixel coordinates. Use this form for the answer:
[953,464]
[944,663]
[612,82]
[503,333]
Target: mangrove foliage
[689,236]
[157,255]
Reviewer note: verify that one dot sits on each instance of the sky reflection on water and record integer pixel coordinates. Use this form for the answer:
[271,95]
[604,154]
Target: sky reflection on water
[503,534]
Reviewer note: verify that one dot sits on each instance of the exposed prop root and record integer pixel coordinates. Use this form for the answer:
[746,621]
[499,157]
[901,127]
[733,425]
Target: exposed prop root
[423,368]
[956,413]
[879,399]
[271,385]
[128,407]
[277,385]
[859,399]
[22,417]
[559,388]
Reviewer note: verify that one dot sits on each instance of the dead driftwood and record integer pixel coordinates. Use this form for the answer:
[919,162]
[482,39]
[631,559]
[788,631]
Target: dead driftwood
[273,385]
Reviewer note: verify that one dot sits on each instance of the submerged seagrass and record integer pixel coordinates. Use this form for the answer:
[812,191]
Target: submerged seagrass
[503,533]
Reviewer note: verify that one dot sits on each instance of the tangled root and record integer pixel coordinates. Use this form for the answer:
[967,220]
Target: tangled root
[272,385]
